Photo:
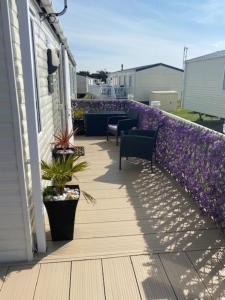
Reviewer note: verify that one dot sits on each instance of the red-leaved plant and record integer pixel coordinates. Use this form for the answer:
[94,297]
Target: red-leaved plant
[62,138]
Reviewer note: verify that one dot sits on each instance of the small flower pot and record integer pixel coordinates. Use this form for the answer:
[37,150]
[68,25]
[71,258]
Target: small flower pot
[59,153]
[61,215]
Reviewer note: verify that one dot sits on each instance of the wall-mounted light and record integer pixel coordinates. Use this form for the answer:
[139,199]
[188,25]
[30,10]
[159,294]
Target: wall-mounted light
[53,64]
[52,16]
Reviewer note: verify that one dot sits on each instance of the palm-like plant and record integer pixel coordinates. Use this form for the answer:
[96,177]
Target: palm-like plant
[62,138]
[61,171]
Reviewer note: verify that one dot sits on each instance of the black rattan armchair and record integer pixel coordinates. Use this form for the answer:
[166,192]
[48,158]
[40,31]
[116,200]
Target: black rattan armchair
[138,143]
[121,123]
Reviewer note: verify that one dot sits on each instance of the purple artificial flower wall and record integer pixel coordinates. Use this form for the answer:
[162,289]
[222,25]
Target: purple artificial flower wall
[193,155]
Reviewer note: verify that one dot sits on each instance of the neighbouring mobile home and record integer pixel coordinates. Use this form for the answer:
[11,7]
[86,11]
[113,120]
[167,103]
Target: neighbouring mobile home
[204,84]
[139,82]
[37,82]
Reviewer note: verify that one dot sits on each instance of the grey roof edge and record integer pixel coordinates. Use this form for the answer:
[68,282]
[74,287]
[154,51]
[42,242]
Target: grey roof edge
[213,55]
[141,68]
[157,65]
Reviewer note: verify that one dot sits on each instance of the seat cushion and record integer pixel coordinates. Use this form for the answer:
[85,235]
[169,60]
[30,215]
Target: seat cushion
[112,128]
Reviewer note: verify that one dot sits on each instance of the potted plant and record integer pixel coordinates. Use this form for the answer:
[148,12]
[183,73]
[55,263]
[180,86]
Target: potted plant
[78,119]
[63,148]
[61,199]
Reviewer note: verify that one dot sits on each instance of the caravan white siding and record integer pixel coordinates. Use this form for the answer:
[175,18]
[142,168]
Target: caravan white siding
[17,221]
[141,81]
[203,86]
[159,78]
[82,84]
[15,226]
[124,78]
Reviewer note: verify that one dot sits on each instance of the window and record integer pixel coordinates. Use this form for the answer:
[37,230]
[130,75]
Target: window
[37,100]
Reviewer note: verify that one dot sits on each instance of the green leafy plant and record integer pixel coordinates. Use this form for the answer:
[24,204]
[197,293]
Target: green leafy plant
[62,171]
[78,113]
[62,138]
[48,192]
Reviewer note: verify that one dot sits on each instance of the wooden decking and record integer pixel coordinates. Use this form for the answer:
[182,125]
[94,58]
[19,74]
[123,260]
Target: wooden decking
[144,238]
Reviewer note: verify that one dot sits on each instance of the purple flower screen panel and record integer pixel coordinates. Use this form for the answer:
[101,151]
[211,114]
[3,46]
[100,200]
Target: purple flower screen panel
[193,155]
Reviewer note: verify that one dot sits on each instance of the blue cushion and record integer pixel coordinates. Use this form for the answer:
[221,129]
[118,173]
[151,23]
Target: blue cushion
[112,128]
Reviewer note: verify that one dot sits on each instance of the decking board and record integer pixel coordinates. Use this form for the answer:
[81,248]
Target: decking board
[137,227]
[151,277]
[208,264]
[126,245]
[20,283]
[126,214]
[120,282]
[87,280]
[183,277]
[53,282]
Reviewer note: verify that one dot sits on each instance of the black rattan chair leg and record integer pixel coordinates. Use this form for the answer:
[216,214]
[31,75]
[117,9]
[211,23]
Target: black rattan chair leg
[120,163]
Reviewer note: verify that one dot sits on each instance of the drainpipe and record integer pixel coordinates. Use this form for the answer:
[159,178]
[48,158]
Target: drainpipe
[27,62]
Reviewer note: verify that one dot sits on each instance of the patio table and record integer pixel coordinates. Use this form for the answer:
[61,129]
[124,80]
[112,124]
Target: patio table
[96,122]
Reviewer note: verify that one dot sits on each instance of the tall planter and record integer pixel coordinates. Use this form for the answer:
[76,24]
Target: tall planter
[61,215]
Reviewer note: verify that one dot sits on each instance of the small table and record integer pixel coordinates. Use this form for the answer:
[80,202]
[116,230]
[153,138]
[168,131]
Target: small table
[96,122]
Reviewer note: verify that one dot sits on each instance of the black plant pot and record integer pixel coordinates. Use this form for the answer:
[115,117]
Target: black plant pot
[61,215]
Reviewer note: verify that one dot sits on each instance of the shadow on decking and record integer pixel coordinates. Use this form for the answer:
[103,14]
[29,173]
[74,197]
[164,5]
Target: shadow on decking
[169,220]
[161,198]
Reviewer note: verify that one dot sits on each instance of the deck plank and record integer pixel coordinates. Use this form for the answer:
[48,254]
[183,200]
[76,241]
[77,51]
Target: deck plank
[126,245]
[183,277]
[20,283]
[87,280]
[138,227]
[151,277]
[211,270]
[53,282]
[126,214]
[119,278]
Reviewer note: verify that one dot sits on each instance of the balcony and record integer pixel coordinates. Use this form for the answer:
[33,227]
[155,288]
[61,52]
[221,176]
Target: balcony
[149,235]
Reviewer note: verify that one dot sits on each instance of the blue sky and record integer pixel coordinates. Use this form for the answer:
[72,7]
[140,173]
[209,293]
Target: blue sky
[105,34]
